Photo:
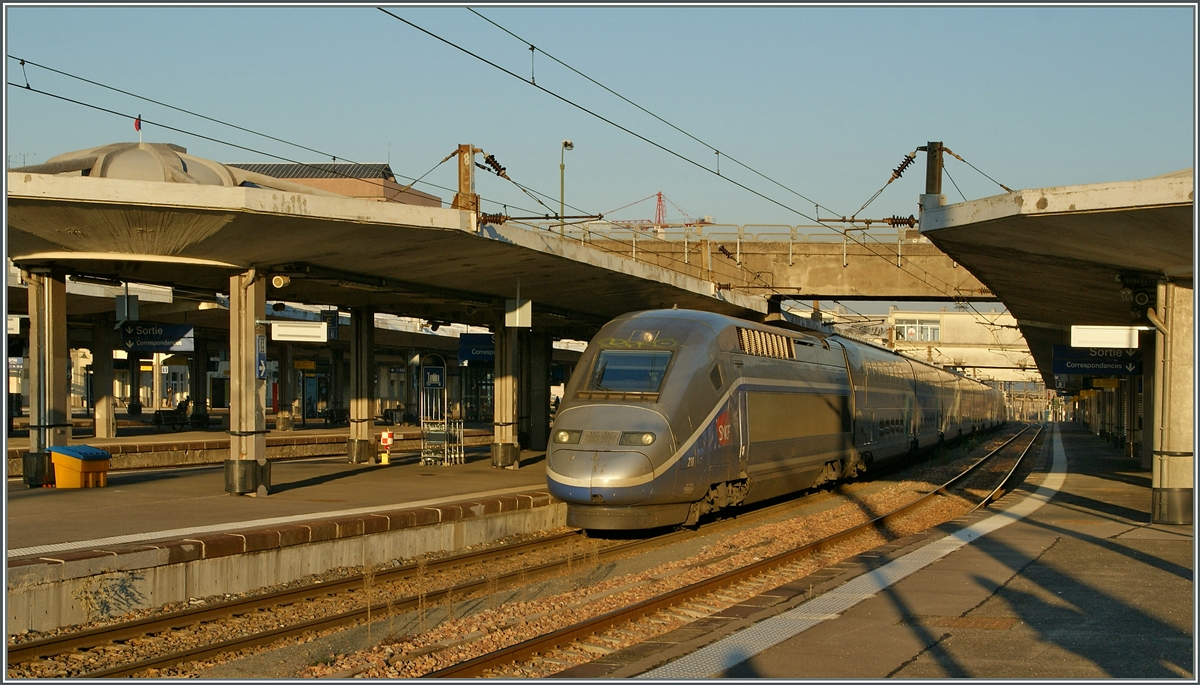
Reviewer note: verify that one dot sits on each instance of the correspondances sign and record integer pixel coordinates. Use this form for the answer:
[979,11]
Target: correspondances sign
[144,336]
[1097,361]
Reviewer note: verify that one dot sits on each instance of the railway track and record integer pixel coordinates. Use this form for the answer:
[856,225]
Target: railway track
[177,620]
[149,628]
[486,664]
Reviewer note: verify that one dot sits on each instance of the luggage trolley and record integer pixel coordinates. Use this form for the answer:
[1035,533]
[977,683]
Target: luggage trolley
[441,437]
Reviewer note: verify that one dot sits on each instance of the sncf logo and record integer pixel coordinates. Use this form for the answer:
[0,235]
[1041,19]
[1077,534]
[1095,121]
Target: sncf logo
[724,429]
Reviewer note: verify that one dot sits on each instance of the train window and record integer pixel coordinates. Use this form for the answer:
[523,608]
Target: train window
[715,377]
[629,370]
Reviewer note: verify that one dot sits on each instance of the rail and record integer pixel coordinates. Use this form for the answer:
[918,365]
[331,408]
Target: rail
[479,666]
[68,642]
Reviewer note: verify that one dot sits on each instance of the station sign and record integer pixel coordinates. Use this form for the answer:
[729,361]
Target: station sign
[304,364]
[1111,383]
[143,336]
[433,377]
[14,325]
[476,347]
[260,366]
[1105,336]
[331,318]
[1097,361]
[300,331]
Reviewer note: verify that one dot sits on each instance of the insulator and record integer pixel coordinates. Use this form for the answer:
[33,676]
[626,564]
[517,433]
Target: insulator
[724,286]
[494,219]
[899,171]
[490,160]
[910,221]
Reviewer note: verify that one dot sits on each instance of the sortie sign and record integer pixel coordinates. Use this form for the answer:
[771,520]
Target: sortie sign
[1097,361]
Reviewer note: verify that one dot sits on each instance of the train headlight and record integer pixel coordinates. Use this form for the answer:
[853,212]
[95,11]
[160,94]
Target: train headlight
[567,437]
[637,438]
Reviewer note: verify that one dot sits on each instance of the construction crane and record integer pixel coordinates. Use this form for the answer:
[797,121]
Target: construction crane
[660,215]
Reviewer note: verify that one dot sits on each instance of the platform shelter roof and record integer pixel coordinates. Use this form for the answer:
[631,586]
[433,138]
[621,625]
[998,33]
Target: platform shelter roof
[1072,255]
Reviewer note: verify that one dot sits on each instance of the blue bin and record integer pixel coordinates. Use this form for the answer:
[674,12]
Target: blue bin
[81,452]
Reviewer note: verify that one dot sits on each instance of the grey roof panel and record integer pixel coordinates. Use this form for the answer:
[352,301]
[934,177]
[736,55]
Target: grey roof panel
[335,170]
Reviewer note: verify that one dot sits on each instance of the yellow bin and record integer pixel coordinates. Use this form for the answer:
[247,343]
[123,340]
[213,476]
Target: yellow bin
[80,466]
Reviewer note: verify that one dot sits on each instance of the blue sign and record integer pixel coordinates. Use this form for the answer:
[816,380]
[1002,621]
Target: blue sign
[143,336]
[1097,361]
[260,367]
[434,377]
[331,324]
[476,347]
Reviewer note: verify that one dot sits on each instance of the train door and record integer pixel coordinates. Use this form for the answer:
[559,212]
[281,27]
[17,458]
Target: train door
[743,440]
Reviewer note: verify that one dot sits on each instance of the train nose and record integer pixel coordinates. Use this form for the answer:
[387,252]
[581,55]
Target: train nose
[600,477]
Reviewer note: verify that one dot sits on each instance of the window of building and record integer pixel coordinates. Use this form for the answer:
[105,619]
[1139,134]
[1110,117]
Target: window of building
[918,330]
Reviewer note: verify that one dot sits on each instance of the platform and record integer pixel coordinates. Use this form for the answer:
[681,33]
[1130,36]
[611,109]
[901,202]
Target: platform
[174,534]
[144,446]
[1064,578]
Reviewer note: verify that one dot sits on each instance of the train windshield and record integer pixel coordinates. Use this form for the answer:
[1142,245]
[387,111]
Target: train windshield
[629,370]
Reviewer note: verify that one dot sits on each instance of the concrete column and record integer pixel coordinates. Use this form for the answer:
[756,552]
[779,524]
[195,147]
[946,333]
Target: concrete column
[105,406]
[49,415]
[535,388]
[337,394]
[198,383]
[247,470]
[360,449]
[134,359]
[506,450]
[1171,478]
[284,420]
[156,381]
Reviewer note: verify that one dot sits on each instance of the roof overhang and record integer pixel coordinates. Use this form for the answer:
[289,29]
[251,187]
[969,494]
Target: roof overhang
[428,262]
[1062,256]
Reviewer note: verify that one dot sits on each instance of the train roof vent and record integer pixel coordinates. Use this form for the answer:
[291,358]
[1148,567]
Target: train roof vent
[763,344]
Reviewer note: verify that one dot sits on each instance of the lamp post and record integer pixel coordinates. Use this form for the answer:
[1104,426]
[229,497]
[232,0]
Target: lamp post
[562,174]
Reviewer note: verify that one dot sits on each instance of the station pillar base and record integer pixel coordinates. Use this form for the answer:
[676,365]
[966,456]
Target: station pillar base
[506,455]
[248,477]
[37,469]
[1171,505]
[360,451]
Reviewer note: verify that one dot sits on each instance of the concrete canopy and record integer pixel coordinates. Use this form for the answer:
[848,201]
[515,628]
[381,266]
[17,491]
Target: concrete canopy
[1061,256]
[425,262]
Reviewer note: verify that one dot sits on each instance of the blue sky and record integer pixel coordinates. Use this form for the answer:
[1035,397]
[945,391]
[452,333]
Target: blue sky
[824,100]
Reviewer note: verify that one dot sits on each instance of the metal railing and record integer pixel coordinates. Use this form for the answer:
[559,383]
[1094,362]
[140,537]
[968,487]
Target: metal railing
[637,240]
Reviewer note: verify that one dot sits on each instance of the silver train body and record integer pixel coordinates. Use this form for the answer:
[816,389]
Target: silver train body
[672,414]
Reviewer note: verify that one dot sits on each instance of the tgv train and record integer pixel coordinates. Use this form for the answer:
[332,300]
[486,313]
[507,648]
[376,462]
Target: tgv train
[672,414]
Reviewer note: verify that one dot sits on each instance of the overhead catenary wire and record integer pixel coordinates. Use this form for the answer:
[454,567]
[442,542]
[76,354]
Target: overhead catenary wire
[646,111]
[315,166]
[895,174]
[960,192]
[146,121]
[151,122]
[529,192]
[954,155]
[948,291]
[189,112]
